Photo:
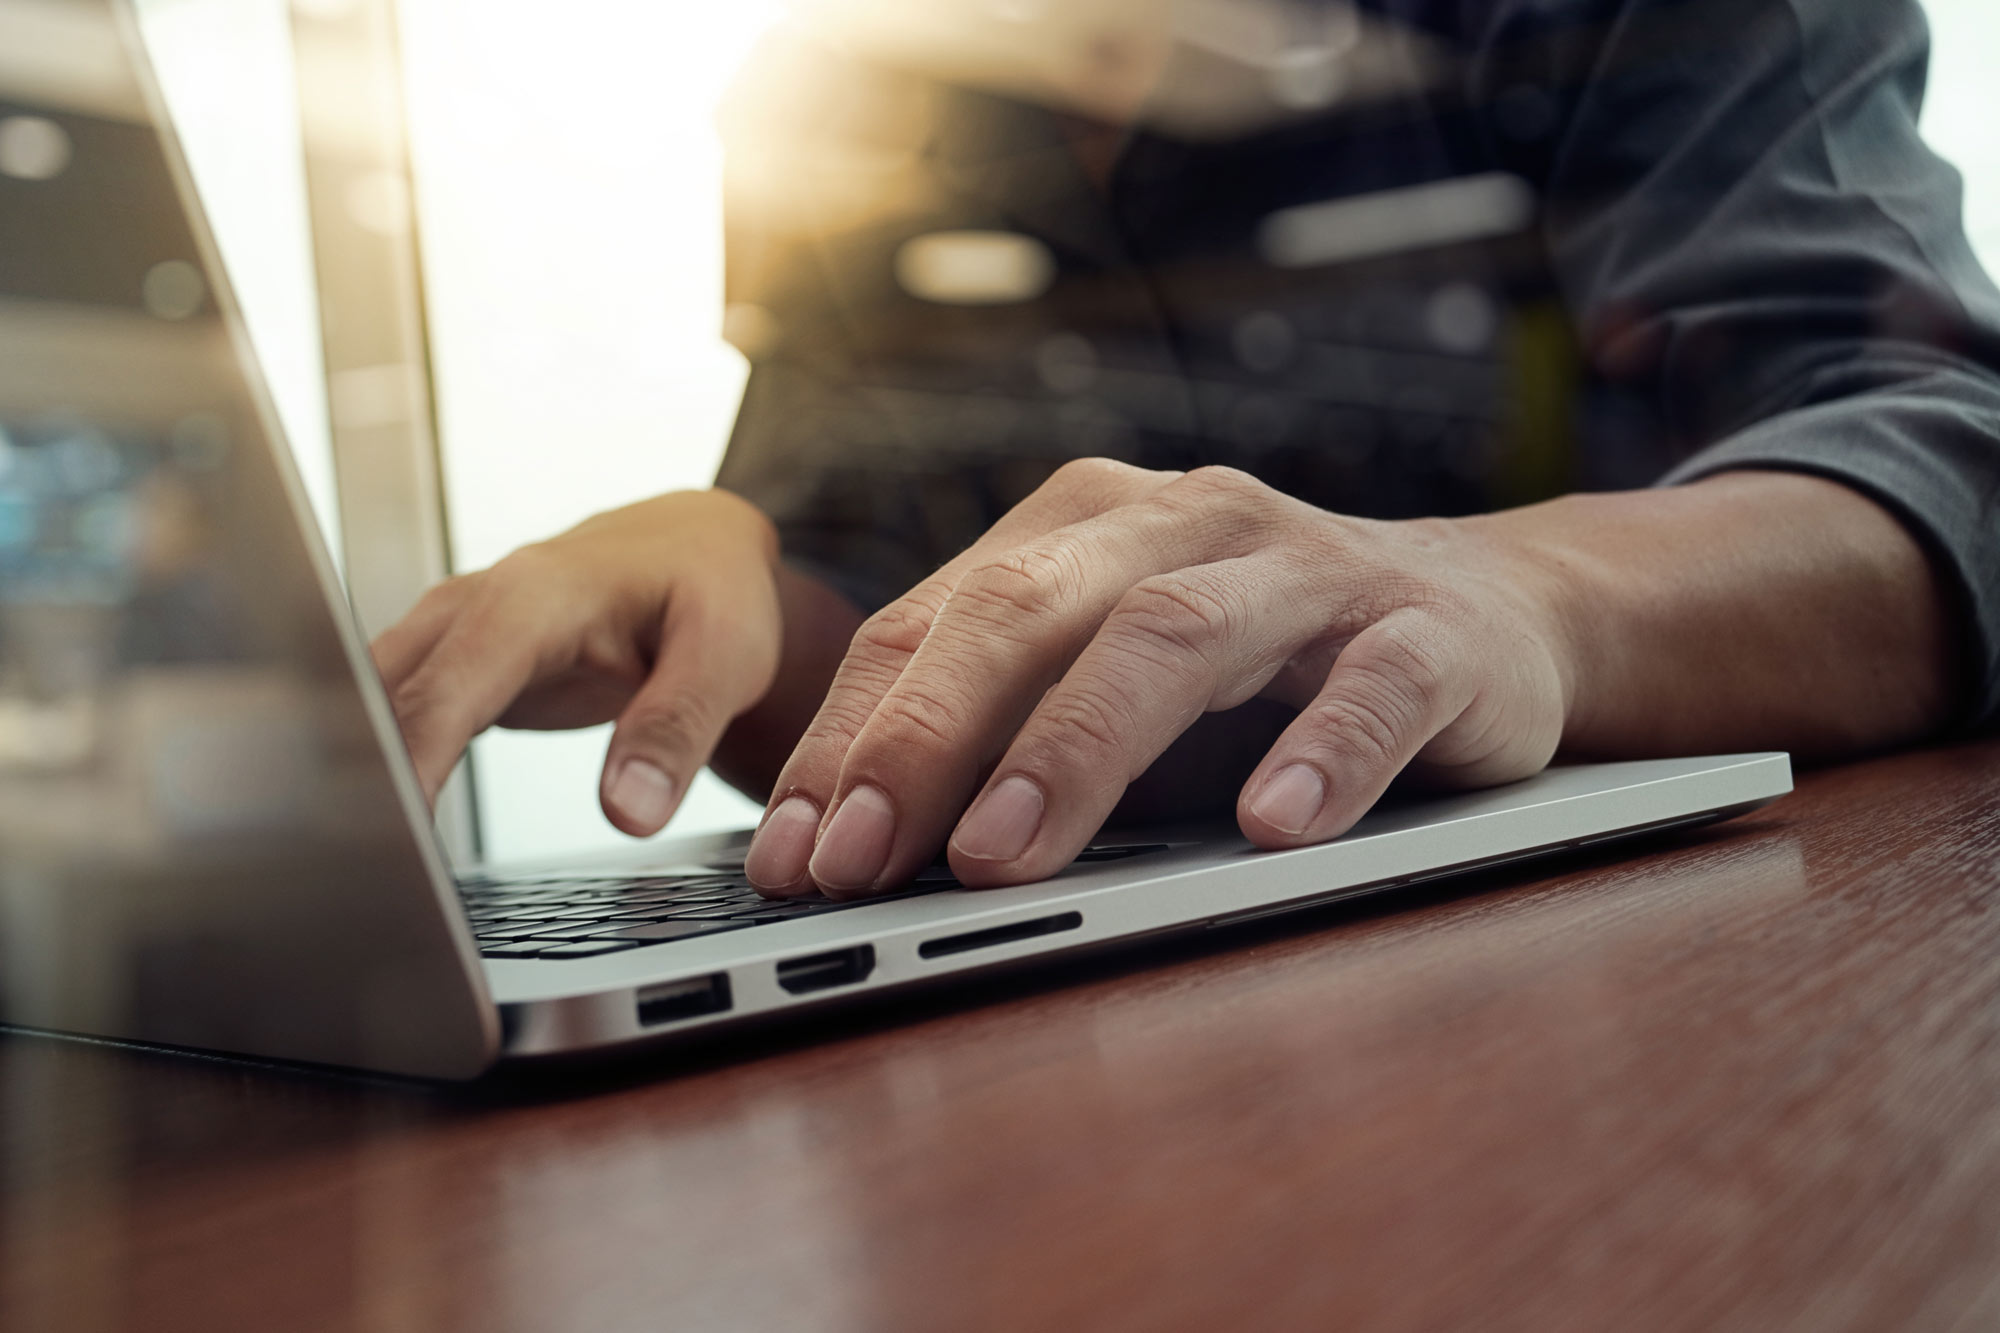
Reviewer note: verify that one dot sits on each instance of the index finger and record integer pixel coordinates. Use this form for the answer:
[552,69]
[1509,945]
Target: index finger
[478,666]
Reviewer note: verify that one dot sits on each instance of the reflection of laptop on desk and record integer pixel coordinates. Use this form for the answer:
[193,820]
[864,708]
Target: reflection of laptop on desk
[209,833]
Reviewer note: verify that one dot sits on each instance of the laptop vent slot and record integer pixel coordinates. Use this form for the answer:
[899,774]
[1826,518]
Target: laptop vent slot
[1007,934]
[677,1001]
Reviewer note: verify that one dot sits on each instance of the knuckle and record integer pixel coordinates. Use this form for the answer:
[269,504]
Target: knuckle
[538,572]
[1030,582]
[423,702]
[1408,662]
[863,677]
[1085,486]
[1093,474]
[1176,613]
[1227,503]
[681,725]
[894,632]
[1360,721]
[1082,724]
[917,715]
[449,593]
[838,723]
[1216,482]
[1386,692]
[524,562]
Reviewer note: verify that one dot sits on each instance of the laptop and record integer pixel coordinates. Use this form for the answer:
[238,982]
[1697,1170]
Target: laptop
[210,834]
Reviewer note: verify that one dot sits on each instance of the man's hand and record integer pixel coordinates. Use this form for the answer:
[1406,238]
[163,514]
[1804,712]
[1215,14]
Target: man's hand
[1037,675]
[664,615]
[1002,707]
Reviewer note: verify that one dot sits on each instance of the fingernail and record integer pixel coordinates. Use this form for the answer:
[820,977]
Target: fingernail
[1001,823]
[855,846]
[1291,800]
[643,793]
[778,854]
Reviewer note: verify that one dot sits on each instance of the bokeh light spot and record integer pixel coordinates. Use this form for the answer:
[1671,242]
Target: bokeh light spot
[1461,318]
[173,289]
[33,148]
[975,267]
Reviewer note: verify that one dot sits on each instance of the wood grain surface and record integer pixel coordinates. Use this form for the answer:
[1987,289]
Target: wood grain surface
[1746,1078]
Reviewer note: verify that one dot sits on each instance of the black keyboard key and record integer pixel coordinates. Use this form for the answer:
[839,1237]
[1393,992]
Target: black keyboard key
[585,948]
[567,930]
[509,950]
[665,930]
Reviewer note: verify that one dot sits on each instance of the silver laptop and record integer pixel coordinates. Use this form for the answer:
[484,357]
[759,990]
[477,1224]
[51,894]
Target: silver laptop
[210,836]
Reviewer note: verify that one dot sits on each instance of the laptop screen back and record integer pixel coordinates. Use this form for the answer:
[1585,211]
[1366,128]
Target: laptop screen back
[202,836]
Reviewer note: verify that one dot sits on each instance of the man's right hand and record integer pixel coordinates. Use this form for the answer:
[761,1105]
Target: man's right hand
[664,615]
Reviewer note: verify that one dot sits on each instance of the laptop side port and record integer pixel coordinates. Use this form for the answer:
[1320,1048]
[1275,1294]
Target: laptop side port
[824,971]
[1008,934]
[676,1001]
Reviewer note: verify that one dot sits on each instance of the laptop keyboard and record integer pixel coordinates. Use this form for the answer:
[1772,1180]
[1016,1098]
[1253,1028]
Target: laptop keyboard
[571,915]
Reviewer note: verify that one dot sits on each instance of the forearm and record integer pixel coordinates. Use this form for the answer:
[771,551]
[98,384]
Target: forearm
[1751,610]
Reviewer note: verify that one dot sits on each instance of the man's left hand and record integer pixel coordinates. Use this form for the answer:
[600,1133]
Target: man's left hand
[1002,707]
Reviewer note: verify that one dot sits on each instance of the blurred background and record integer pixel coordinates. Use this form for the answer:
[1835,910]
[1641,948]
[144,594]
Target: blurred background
[540,189]
[564,169]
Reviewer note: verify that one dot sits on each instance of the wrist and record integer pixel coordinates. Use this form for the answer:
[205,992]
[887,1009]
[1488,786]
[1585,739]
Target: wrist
[1559,594]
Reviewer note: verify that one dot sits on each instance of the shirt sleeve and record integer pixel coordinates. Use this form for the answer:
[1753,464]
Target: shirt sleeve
[1748,228]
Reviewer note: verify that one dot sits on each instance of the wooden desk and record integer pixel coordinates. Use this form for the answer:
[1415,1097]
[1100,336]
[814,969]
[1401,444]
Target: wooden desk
[1749,1078]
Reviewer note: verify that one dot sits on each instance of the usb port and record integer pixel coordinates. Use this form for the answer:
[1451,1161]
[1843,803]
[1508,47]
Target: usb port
[675,1001]
[823,971]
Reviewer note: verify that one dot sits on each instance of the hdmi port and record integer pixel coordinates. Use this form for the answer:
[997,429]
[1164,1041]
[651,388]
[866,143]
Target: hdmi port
[823,971]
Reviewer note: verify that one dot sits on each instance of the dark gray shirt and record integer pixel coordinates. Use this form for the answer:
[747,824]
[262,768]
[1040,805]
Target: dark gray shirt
[1504,251]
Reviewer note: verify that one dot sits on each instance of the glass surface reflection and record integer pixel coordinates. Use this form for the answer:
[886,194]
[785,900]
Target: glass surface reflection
[201,839]
[970,241]
[1392,258]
